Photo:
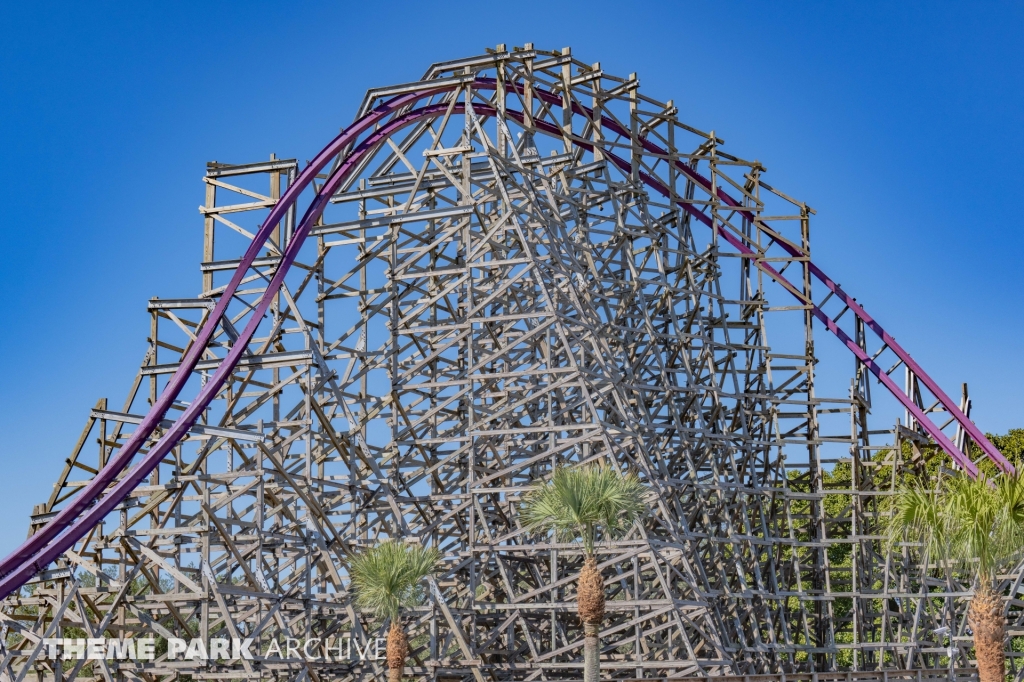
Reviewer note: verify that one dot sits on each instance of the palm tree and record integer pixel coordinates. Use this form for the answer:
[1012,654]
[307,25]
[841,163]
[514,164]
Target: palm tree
[974,525]
[578,503]
[388,578]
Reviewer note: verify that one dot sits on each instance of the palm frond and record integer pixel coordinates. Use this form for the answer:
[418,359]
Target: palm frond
[968,523]
[388,577]
[579,501]
[918,514]
[1009,531]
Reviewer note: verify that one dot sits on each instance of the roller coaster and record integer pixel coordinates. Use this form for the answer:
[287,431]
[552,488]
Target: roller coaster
[516,263]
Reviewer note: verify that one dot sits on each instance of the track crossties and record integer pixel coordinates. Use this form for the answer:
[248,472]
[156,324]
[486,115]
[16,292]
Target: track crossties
[518,262]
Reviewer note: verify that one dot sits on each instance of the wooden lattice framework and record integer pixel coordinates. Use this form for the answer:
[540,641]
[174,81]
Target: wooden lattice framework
[488,297]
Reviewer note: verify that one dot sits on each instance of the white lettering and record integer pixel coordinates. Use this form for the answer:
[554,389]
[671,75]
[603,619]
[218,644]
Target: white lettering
[196,651]
[305,648]
[337,650]
[175,646]
[220,648]
[95,650]
[365,652]
[121,649]
[241,649]
[73,648]
[216,649]
[146,649]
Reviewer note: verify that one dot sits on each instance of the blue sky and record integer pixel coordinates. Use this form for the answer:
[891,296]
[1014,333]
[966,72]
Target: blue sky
[901,123]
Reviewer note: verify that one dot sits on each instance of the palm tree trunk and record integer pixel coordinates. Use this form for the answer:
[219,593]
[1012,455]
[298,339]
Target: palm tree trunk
[591,653]
[397,651]
[986,620]
[590,602]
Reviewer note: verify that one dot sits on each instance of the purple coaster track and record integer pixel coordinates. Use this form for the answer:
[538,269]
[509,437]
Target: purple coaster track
[91,504]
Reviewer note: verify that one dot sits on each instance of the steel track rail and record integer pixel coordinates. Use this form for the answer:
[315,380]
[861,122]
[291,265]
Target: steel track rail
[91,505]
[930,428]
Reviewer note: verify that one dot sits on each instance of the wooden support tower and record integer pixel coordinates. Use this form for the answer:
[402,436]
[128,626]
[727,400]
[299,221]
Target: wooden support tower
[494,292]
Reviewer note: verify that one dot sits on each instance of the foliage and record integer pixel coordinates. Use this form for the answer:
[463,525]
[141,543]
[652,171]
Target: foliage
[388,577]
[913,465]
[579,500]
[966,522]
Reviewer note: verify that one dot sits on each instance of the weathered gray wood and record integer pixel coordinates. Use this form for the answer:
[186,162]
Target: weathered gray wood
[480,304]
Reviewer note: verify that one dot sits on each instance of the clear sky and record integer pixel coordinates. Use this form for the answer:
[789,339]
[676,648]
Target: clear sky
[900,123]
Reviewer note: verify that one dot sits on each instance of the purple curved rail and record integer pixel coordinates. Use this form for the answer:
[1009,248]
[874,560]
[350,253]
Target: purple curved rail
[68,526]
[40,549]
[954,410]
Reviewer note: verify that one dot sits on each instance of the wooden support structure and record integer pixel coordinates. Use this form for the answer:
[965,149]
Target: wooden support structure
[488,297]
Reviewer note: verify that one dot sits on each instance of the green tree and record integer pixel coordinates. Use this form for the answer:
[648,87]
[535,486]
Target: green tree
[387,579]
[977,526]
[579,503]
